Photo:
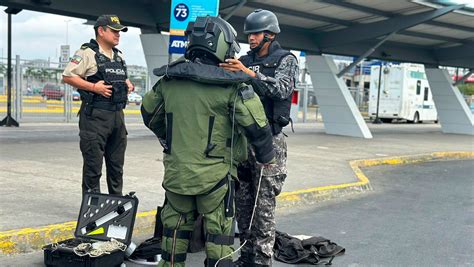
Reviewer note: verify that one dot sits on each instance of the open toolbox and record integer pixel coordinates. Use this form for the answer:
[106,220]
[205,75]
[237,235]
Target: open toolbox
[103,232]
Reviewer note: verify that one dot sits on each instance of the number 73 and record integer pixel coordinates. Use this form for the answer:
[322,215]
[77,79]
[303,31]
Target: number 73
[181,12]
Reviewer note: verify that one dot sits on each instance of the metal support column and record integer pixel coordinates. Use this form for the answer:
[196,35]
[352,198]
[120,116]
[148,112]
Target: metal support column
[67,102]
[155,47]
[18,89]
[340,113]
[453,112]
[366,54]
[8,120]
[305,102]
[377,120]
[463,77]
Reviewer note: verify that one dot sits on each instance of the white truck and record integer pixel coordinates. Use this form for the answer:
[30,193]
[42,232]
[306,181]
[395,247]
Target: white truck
[404,94]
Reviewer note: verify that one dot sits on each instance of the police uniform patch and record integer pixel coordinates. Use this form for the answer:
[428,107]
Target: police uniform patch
[76,59]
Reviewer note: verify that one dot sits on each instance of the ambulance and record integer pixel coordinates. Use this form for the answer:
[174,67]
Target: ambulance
[404,94]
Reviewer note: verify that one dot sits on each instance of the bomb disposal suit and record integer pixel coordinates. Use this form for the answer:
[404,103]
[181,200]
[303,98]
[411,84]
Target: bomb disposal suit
[204,116]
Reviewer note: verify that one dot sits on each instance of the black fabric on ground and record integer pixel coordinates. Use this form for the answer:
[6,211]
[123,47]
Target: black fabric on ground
[314,250]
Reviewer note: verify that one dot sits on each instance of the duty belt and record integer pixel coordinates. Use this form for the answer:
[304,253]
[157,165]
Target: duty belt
[108,105]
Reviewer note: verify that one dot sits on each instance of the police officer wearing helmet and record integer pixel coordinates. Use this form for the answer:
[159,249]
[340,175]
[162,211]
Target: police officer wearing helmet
[99,73]
[275,71]
[204,117]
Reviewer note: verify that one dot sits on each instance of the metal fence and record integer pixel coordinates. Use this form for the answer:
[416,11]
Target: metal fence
[38,94]
[308,102]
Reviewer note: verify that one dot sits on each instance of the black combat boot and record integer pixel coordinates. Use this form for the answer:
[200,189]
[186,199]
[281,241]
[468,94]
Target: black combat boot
[245,260]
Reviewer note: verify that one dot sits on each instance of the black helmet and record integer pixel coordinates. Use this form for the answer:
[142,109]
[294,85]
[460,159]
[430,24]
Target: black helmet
[212,35]
[261,20]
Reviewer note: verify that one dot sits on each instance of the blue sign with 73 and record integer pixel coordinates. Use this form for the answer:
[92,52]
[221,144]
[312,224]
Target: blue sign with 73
[183,12]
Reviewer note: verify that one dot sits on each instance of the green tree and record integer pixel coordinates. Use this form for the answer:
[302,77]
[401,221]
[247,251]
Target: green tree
[466,89]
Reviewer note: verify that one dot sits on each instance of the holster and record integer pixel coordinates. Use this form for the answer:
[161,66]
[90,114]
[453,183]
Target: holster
[87,102]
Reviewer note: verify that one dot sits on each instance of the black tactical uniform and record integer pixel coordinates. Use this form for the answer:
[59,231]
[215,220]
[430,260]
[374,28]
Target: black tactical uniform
[276,75]
[276,109]
[101,120]
[101,124]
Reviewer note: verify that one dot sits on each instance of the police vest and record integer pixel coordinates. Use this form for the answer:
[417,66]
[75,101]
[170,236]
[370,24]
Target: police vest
[277,110]
[112,72]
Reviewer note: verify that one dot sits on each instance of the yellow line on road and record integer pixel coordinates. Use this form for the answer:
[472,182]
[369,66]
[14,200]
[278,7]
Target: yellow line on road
[53,109]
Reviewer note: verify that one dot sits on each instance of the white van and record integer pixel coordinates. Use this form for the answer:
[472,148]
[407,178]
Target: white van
[404,94]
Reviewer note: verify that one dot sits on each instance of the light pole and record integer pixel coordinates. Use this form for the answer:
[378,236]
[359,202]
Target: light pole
[67,30]
[377,120]
[8,121]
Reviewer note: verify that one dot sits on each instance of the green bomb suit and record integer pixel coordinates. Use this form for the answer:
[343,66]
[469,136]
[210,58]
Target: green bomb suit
[204,117]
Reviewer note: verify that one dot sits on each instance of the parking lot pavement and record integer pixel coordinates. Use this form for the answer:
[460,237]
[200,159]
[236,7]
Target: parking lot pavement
[41,164]
[41,172]
[417,215]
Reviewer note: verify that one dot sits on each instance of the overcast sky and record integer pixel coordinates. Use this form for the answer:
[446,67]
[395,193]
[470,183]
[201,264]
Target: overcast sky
[38,35]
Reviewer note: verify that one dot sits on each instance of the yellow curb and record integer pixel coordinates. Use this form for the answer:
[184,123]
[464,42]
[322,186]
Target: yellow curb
[15,241]
[25,101]
[57,109]
[29,239]
[363,182]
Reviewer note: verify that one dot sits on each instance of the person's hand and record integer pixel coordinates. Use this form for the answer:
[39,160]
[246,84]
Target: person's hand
[130,86]
[232,64]
[102,89]
[268,164]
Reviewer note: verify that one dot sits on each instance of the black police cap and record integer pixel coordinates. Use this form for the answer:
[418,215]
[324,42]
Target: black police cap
[111,21]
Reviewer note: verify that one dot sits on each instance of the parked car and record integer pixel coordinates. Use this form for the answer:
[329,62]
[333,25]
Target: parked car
[52,91]
[134,98]
[76,96]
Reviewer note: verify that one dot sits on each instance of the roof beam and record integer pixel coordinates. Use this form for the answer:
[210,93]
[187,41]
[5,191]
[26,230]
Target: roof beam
[235,9]
[348,23]
[435,37]
[363,56]
[386,14]
[293,37]
[299,14]
[456,52]
[298,39]
[129,12]
[224,4]
[364,9]
[367,31]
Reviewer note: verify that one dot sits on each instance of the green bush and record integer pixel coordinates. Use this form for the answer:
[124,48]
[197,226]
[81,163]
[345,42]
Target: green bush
[467,88]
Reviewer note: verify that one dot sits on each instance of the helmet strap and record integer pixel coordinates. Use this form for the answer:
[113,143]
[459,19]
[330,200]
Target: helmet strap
[266,38]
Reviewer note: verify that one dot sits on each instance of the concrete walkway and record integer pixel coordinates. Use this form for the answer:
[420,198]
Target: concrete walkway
[41,169]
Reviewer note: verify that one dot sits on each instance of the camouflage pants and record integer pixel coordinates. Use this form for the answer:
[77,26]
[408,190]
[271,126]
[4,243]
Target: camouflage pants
[261,237]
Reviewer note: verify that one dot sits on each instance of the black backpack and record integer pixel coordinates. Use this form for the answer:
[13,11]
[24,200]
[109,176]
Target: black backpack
[314,250]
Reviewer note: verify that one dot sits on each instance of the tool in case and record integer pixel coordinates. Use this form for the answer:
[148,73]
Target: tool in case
[103,232]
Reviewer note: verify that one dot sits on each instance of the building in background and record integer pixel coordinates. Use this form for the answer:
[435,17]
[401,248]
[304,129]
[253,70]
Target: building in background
[138,75]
